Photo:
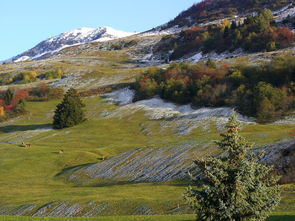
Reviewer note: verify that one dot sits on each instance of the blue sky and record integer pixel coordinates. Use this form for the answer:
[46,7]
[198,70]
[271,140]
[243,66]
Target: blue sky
[24,23]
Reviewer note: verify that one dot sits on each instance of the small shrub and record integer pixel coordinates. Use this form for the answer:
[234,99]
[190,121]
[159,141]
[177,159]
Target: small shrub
[26,77]
[43,93]
[58,73]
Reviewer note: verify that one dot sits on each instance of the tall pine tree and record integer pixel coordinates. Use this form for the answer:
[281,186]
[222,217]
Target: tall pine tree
[69,112]
[235,187]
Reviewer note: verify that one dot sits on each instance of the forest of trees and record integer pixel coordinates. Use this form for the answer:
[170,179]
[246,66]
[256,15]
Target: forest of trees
[254,34]
[265,92]
[209,10]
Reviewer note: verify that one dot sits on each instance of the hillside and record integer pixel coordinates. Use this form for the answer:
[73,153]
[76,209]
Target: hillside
[150,129]
[210,10]
[145,124]
[67,39]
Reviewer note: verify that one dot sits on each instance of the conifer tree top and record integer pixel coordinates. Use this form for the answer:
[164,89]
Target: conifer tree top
[235,186]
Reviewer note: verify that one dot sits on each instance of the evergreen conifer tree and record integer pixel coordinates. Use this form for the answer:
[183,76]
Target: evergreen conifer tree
[8,96]
[235,186]
[69,112]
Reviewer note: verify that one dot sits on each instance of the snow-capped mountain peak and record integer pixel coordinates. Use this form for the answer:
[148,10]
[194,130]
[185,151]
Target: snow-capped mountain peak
[70,38]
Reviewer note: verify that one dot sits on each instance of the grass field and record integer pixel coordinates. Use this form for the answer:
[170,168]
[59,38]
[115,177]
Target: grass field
[28,176]
[274,217]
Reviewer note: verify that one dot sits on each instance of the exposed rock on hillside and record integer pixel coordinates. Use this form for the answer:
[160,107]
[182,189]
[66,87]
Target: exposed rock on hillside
[282,157]
[142,165]
[174,162]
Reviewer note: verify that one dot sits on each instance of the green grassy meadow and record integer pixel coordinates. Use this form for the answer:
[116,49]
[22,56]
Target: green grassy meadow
[29,176]
[274,217]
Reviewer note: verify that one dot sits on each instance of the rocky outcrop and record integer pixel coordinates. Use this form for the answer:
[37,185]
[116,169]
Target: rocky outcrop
[142,165]
[282,157]
[170,163]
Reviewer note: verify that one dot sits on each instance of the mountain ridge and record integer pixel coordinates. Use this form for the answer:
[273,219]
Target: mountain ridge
[70,38]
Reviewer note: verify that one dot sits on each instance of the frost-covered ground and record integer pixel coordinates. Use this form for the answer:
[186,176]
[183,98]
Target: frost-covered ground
[75,80]
[72,81]
[285,12]
[286,120]
[161,31]
[199,56]
[182,118]
[22,136]
[173,162]
[144,165]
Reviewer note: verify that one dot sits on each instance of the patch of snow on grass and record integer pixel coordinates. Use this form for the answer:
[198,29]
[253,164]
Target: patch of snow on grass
[196,58]
[286,120]
[224,55]
[285,13]
[182,118]
[21,136]
[159,31]
[122,97]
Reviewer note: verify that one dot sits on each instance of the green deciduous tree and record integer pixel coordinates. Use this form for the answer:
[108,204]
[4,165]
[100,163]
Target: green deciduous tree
[21,106]
[235,187]
[69,113]
[269,102]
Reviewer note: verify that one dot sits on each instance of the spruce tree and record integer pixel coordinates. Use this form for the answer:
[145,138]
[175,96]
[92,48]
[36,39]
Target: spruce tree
[69,112]
[8,96]
[234,186]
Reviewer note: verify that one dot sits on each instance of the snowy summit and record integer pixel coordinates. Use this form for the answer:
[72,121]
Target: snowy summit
[70,38]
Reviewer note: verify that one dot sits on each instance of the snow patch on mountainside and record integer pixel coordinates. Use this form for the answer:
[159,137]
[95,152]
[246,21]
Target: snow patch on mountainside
[161,31]
[285,12]
[70,38]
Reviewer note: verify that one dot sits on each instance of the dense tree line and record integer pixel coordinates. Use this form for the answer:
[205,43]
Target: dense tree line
[255,33]
[26,77]
[266,91]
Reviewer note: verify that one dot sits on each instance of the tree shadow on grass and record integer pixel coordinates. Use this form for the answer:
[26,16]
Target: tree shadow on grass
[71,169]
[23,128]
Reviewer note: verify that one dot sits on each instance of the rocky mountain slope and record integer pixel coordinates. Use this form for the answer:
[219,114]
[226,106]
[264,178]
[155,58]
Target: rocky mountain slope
[202,14]
[170,163]
[66,39]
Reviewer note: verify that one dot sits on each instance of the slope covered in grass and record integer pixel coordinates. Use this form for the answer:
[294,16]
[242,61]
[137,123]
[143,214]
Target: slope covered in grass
[29,178]
[274,217]
[33,181]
